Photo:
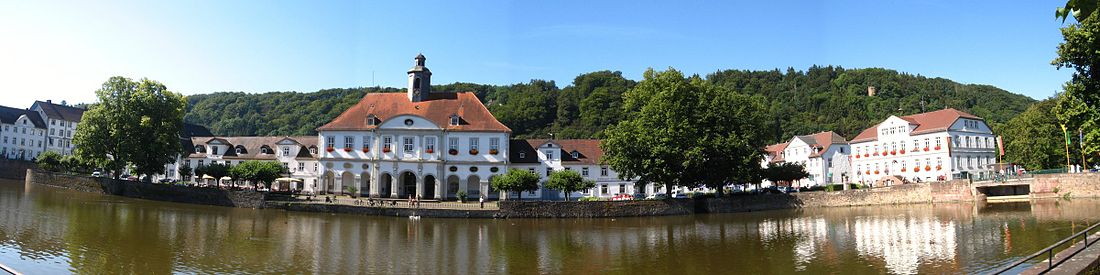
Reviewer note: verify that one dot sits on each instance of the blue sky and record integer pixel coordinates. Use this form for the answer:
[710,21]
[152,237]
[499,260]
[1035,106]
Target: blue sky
[65,50]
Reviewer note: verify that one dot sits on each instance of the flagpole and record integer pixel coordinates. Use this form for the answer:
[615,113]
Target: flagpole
[1066,135]
[1081,139]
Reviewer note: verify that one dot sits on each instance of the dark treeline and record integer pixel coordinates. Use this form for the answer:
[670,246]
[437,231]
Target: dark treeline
[800,102]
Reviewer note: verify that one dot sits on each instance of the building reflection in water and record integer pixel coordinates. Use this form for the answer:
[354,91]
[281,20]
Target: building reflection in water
[904,242]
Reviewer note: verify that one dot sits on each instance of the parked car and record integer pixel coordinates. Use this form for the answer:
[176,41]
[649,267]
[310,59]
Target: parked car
[679,196]
[658,196]
[165,180]
[97,174]
[622,197]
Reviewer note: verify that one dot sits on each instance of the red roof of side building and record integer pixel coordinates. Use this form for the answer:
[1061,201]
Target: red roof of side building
[824,140]
[776,151]
[588,150]
[438,109]
[929,122]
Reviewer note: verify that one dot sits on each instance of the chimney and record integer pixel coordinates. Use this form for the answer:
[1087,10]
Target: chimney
[871,90]
[49,101]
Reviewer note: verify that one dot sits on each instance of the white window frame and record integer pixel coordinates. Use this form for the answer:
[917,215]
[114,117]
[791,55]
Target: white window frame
[429,143]
[409,144]
[452,143]
[348,141]
[474,143]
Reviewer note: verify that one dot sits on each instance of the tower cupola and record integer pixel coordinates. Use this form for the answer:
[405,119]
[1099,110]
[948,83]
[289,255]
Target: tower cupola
[420,80]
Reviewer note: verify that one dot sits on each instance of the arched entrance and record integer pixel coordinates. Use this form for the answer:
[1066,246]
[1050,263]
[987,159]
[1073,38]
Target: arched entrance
[473,186]
[452,187]
[347,180]
[327,182]
[429,187]
[364,186]
[384,185]
[408,184]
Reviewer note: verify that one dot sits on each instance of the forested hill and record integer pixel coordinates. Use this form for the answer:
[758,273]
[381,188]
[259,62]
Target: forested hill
[801,102]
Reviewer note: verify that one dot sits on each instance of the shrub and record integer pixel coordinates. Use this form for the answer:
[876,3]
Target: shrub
[462,195]
[588,198]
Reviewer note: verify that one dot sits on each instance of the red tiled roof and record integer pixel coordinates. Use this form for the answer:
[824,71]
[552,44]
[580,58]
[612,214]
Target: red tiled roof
[929,122]
[438,109]
[588,150]
[824,140]
[253,145]
[776,151]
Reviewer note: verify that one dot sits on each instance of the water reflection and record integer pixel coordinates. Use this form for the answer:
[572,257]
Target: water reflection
[51,231]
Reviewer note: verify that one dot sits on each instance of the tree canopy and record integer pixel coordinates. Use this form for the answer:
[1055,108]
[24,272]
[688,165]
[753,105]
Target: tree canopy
[516,180]
[1034,138]
[568,181]
[132,122]
[785,172]
[257,171]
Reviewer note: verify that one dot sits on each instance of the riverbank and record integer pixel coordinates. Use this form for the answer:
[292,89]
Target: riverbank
[1069,186]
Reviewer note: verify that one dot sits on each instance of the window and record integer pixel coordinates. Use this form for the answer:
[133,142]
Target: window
[386,142]
[584,171]
[473,143]
[348,140]
[532,170]
[265,150]
[313,150]
[452,143]
[51,131]
[5,139]
[429,144]
[494,143]
[286,166]
[521,154]
[301,166]
[315,168]
[372,120]
[603,171]
[330,142]
[575,154]
[568,168]
[548,171]
[937,142]
[200,162]
[549,154]
[286,151]
[366,142]
[214,150]
[603,189]
[408,144]
[454,120]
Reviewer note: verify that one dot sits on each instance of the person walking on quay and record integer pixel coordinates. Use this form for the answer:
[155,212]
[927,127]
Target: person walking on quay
[410,200]
[481,199]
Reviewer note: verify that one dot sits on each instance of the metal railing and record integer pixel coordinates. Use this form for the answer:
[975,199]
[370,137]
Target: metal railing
[1049,251]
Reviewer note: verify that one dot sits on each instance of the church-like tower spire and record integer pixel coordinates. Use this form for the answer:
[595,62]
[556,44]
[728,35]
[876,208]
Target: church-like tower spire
[420,80]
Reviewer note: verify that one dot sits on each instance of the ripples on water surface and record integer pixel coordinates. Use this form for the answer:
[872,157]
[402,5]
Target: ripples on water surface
[51,231]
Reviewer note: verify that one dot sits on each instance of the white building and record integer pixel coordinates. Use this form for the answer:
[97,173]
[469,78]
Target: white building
[297,154]
[21,134]
[816,152]
[939,145]
[61,121]
[544,156]
[421,143]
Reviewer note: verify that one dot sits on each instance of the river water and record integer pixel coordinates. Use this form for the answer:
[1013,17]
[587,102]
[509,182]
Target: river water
[51,231]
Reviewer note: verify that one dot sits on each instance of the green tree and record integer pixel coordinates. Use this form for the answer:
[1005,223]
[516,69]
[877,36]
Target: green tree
[1080,9]
[49,160]
[185,171]
[201,171]
[1034,139]
[785,172]
[1077,108]
[516,180]
[218,170]
[135,122]
[568,181]
[729,131]
[257,171]
[527,108]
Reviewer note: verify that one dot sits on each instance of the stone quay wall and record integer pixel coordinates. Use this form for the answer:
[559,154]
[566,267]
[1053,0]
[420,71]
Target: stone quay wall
[15,169]
[380,211]
[1071,185]
[596,209]
[148,191]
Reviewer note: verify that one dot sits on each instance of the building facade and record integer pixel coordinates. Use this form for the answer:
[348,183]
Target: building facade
[939,145]
[815,152]
[545,156]
[61,121]
[21,134]
[298,155]
[425,144]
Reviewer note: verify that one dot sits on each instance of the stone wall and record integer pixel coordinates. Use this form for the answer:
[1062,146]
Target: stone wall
[1072,185]
[15,169]
[380,211]
[149,191]
[595,209]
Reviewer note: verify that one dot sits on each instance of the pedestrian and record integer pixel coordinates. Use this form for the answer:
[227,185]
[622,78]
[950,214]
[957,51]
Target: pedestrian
[410,200]
[481,199]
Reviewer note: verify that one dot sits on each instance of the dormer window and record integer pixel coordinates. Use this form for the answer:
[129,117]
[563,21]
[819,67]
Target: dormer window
[313,150]
[575,154]
[200,149]
[265,150]
[372,120]
[454,120]
[522,155]
[214,150]
[239,150]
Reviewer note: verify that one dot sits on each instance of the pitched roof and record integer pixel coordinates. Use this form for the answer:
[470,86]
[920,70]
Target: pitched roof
[62,112]
[930,122]
[253,145]
[194,130]
[776,151]
[588,150]
[438,108]
[9,115]
[824,140]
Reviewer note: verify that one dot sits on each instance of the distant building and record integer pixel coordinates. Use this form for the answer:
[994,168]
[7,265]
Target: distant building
[816,152]
[298,155]
[939,145]
[21,134]
[543,156]
[61,121]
